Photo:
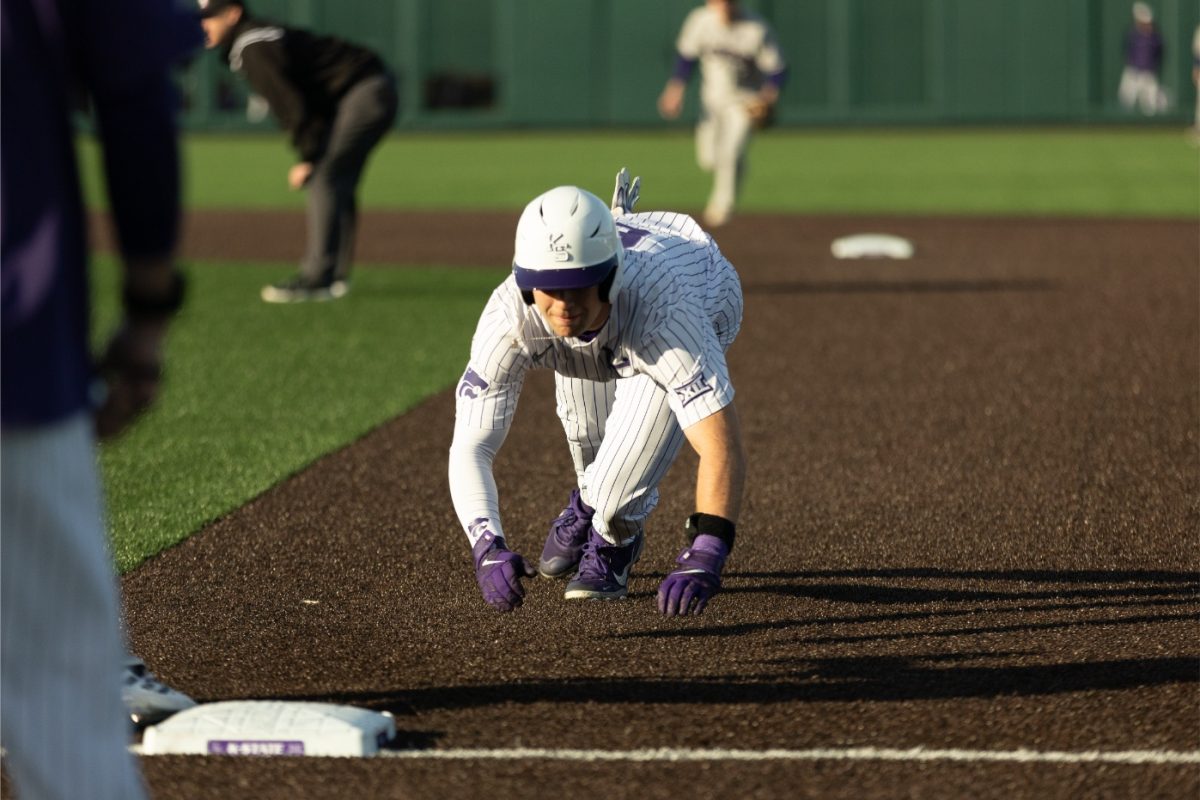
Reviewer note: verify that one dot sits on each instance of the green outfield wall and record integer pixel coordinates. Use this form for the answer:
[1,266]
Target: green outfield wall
[596,63]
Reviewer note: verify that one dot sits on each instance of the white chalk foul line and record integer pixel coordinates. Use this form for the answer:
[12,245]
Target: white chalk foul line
[817,754]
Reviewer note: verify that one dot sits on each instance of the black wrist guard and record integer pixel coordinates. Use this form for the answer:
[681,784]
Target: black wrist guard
[709,525]
[139,306]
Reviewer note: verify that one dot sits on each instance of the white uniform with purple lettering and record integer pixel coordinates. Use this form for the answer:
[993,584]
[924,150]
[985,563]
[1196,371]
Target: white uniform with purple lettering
[625,394]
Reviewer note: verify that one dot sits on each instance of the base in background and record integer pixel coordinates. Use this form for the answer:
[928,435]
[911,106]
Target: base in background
[872,245]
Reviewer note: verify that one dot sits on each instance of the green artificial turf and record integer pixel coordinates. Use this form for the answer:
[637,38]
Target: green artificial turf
[1071,171]
[256,392]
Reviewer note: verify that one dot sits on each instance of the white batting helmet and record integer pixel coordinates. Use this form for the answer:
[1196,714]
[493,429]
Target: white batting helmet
[566,239]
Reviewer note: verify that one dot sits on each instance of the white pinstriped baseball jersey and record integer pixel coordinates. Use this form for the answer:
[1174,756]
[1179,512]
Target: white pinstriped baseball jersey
[733,58]
[625,394]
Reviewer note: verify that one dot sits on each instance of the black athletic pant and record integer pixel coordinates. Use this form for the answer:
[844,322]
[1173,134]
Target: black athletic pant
[364,115]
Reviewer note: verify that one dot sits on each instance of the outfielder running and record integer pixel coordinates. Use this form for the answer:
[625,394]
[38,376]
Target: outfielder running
[634,313]
[742,71]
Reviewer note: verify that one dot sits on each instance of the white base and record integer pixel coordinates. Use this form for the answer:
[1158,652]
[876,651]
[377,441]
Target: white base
[872,245]
[270,728]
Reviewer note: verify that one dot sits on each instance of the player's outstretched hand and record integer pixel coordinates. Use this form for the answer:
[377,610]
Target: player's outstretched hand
[625,193]
[299,175]
[498,571]
[688,588]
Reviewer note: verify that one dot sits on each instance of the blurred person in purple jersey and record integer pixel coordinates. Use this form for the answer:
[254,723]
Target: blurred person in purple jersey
[64,728]
[1140,80]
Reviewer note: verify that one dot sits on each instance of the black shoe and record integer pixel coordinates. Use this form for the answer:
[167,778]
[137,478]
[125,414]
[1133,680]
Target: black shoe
[297,290]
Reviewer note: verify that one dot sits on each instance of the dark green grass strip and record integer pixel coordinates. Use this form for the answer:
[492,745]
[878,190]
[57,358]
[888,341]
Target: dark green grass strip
[255,392]
[1069,171]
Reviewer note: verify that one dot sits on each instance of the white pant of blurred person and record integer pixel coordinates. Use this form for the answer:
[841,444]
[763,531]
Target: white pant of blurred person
[1196,124]
[722,135]
[61,653]
[1140,89]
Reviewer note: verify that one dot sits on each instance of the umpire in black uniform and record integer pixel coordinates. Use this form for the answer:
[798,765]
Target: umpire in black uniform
[337,100]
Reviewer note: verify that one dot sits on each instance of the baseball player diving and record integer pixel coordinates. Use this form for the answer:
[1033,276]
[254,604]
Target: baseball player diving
[742,71]
[634,313]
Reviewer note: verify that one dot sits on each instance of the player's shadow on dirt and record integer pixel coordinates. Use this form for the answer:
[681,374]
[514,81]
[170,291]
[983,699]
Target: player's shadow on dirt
[900,287]
[1047,600]
[990,602]
[844,679]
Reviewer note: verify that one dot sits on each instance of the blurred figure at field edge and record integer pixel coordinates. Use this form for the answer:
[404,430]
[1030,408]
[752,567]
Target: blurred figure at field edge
[64,729]
[1196,82]
[337,100]
[1140,81]
[742,72]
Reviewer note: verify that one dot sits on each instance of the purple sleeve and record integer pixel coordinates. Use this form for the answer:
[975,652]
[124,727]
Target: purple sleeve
[683,68]
[125,58]
[777,79]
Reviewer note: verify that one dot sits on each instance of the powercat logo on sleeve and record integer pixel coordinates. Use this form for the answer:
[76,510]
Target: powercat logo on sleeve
[471,385]
[694,388]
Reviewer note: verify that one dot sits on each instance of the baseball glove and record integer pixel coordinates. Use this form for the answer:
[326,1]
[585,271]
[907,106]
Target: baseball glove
[762,113]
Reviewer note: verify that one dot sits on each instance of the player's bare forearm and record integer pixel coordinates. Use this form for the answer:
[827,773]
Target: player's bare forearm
[721,476]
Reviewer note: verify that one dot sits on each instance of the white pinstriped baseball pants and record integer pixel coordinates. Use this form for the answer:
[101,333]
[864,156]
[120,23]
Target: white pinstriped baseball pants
[623,435]
[63,725]
[623,438]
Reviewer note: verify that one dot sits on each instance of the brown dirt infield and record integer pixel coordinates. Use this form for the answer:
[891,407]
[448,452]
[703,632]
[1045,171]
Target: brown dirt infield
[971,522]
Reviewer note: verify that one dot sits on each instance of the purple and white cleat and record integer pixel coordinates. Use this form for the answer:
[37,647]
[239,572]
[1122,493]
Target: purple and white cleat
[604,568]
[568,533]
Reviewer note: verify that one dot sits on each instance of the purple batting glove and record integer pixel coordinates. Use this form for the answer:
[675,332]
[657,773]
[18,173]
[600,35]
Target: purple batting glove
[498,571]
[688,589]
